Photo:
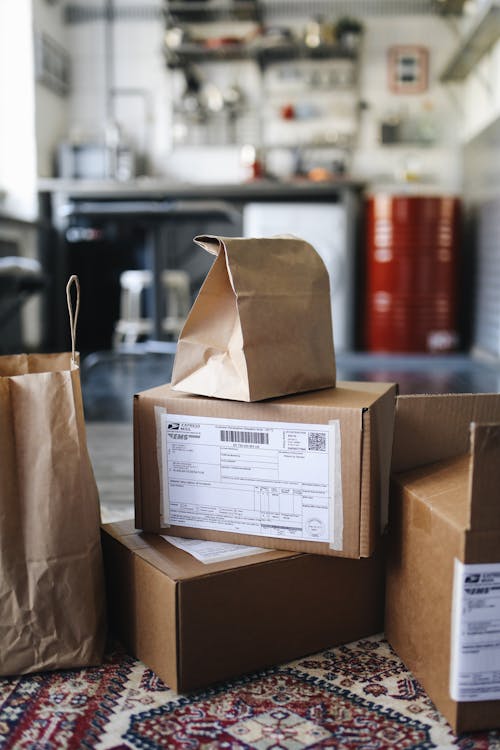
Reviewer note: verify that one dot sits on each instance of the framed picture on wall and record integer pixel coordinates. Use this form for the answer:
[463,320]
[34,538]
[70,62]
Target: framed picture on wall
[408,69]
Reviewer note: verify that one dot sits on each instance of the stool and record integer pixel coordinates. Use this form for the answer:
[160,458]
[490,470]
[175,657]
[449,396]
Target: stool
[132,325]
[176,287]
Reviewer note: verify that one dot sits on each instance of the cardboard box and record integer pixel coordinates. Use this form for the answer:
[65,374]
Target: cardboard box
[196,624]
[429,428]
[308,472]
[443,577]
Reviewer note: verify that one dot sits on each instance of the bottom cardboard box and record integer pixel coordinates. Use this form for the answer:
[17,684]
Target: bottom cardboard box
[195,624]
[443,580]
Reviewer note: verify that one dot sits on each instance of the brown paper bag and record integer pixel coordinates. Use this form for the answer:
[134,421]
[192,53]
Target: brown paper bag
[261,325]
[51,575]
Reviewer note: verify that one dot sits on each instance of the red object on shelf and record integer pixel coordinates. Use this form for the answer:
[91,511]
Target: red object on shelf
[412,245]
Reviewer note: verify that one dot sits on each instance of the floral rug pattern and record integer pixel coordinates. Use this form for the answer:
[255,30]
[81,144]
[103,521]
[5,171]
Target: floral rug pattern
[355,696]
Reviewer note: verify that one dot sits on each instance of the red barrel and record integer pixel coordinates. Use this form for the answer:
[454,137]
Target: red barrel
[412,245]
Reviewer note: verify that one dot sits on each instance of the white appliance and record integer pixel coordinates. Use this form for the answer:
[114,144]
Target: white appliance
[324,226]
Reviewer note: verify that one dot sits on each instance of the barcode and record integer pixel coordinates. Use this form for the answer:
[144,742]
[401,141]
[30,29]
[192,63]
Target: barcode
[238,436]
[316,441]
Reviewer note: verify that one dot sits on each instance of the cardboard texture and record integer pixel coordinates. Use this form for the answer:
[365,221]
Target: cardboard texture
[442,513]
[359,474]
[430,428]
[261,325]
[52,609]
[197,624]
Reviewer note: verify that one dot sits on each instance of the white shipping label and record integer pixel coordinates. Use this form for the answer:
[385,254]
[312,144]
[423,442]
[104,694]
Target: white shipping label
[265,478]
[475,648]
[212,552]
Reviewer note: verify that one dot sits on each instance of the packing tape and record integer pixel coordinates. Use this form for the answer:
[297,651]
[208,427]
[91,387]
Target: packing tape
[161,448]
[336,507]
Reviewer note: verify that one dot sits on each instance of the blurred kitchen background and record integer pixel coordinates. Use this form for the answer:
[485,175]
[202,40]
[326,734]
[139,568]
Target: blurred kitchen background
[371,128]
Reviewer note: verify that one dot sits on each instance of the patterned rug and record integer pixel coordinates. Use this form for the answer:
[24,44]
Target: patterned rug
[354,696]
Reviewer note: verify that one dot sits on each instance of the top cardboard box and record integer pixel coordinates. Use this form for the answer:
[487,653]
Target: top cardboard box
[306,473]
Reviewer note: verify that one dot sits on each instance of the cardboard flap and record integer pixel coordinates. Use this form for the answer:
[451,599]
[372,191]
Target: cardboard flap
[484,479]
[430,428]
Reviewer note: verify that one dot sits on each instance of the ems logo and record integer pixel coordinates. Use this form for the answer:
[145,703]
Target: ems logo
[472,578]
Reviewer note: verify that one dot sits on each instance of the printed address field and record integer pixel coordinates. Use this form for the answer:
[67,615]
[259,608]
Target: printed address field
[214,464]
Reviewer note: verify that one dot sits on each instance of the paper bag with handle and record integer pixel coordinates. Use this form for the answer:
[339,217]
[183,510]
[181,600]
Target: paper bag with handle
[261,325]
[52,612]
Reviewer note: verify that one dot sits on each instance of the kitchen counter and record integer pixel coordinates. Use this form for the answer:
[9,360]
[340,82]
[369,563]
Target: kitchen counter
[161,188]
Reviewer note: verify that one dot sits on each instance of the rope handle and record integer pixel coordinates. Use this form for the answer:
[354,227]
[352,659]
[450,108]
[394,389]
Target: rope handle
[73,315]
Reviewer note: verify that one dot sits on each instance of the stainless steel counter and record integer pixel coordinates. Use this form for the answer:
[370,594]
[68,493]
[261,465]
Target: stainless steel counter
[159,188]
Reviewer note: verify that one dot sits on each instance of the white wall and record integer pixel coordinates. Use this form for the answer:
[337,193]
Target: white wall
[145,115]
[51,108]
[17,109]
[436,108]
[33,118]
[142,103]
[139,63]
[480,94]
[433,108]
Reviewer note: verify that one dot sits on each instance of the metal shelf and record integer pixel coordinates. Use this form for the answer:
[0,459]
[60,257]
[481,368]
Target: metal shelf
[239,10]
[300,51]
[480,38]
[192,52]
[263,55]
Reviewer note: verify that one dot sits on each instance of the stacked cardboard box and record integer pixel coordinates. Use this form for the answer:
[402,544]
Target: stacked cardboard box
[443,576]
[192,622]
[306,473]
[195,623]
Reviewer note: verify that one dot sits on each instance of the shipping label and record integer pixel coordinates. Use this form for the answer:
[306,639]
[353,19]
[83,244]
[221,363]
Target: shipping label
[212,552]
[264,478]
[475,648]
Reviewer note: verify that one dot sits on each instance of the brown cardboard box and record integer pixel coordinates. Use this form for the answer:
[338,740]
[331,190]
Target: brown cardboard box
[430,428]
[310,471]
[442,610]
[195,624]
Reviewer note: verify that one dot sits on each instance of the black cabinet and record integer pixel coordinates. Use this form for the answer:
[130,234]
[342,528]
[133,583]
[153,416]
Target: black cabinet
[99,239]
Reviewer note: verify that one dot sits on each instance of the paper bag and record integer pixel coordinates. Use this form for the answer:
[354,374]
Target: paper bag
[261,325]
[51,577]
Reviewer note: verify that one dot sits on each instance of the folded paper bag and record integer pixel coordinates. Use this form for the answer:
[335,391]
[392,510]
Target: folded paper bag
[261,325]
